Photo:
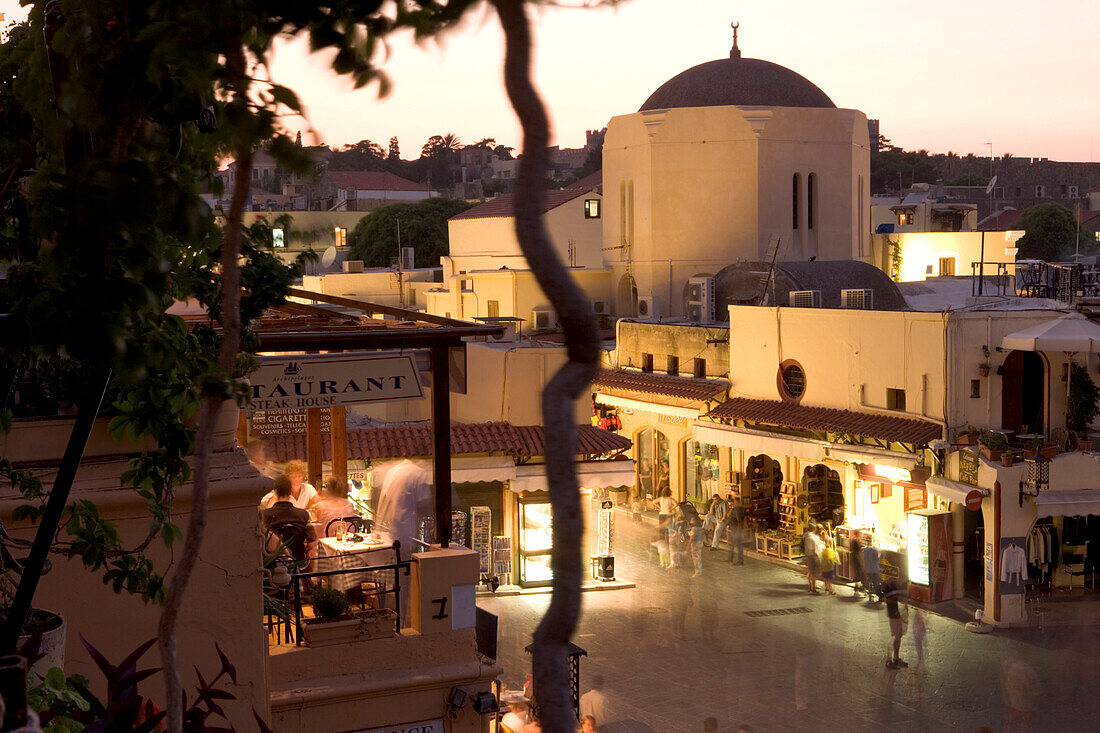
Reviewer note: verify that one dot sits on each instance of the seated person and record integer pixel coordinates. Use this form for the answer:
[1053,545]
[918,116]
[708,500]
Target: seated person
[334,503]
[287,523]
[302,494]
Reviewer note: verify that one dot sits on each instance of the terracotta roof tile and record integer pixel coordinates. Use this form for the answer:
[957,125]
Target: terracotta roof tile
[502,205]
[411,440]
[374,181]
[663,385]
[788,414]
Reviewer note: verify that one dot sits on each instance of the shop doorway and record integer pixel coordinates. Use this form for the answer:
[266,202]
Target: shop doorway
[702,471]
[1023,386]
[760,489]
[824,494]
[651,447]
[974,565]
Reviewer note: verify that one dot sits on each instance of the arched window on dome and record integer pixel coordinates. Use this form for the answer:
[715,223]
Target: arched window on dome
[796,183]
[811,194]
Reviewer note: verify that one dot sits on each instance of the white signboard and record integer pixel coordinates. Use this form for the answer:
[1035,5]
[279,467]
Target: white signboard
[427,726]
[324,380]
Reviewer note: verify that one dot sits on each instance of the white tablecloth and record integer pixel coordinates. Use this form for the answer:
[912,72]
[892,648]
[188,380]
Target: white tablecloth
[334,554]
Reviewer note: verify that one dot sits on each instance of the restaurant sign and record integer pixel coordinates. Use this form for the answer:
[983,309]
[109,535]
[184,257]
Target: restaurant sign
[326,380]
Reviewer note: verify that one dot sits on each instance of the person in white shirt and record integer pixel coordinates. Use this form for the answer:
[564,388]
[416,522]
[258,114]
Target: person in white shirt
[303,495]
[516,719]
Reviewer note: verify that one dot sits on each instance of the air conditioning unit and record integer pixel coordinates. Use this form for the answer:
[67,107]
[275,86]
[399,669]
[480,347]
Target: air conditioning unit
[407,258]
[601,308]
[509,334]
[544,320]
[352,266]
[649,306]
[805,298]
[700,300]
[857,298]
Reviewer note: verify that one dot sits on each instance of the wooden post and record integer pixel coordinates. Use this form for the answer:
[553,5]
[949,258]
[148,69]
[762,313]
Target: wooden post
[313,446]
[441,443]
[338,434]
[242,430]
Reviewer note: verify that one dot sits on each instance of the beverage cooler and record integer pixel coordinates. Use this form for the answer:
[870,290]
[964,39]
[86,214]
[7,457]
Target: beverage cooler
[929,555]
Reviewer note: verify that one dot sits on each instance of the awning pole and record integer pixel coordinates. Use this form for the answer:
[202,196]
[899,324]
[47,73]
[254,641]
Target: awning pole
[441,443]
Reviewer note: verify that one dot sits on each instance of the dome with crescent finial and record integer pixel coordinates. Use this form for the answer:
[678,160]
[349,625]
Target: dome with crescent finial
[738,81]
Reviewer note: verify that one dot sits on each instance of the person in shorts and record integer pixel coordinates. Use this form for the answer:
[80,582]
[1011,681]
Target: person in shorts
[892,593]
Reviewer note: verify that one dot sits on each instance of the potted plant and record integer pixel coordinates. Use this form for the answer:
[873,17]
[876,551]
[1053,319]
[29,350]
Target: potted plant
[1049,451]
[618,494]
[1082,405]
[334,625]
[967,436]
[983,369]
[1008,458]
[992,444]
[1033,447]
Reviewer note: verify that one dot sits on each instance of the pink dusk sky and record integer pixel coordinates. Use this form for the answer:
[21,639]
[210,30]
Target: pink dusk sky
[941,76]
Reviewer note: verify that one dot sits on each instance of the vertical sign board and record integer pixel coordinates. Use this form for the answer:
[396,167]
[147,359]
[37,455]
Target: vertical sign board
[968,467]
[306,381]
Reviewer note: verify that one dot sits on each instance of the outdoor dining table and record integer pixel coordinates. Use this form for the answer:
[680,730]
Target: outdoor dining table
[374,549]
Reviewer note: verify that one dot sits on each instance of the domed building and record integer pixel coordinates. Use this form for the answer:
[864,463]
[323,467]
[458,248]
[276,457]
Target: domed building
[721,162]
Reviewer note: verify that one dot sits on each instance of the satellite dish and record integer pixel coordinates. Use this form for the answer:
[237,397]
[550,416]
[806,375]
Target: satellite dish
[992,183]
[329,257]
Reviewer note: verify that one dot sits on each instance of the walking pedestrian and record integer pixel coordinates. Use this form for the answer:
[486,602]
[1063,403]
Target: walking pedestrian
[811,551]
[893,594]
[695,540]
[872,580]
[855,557]
[723,523]
[829,560]
[715,512]
[737,533]
[594,703]
[919,630]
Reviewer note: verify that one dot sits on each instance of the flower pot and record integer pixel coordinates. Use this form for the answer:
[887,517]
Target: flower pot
[1085,444]
[52,646]
[1007,459]
[990,454]
[619,497]
[967,439]
[1030,453]
[1049,451]
[983,370]
[377,624]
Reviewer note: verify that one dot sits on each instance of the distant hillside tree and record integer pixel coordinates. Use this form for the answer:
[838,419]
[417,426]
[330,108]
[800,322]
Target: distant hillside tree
[423,226]
[1052,234]
[361,156]
[395,149]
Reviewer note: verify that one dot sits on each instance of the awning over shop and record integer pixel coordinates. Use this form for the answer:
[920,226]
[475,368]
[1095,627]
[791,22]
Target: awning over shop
[658,385]
[657,408]
[1072,332]
[483,468]
[754,441]
[947,489]
[590,475]
[800,417]
[1068,503]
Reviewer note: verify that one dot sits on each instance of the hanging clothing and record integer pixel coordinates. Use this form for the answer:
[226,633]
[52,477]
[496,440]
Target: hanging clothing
[1014,565]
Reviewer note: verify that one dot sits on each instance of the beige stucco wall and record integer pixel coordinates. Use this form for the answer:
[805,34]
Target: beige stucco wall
[495,237]
[850,358]
[223,602]
[921,250]
[377,286]
[705,186]
[633,339]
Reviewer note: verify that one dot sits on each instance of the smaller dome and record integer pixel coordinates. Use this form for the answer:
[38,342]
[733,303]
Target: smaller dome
[740,82]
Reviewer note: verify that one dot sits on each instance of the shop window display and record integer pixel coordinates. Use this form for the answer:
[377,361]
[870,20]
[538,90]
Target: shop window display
[824,494]
[702,474]
[651,456]
[536,522]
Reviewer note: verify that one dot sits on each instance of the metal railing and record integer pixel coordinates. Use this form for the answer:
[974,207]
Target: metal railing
[380,591]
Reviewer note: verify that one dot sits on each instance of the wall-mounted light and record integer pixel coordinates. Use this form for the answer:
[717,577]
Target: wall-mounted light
[485,703]
[455,701]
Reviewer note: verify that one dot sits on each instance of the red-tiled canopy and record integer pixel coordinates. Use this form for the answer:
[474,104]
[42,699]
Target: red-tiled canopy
[663,385]
[411,440]
[791,415]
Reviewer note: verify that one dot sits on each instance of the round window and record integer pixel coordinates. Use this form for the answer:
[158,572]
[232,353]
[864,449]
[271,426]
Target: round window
[792,381]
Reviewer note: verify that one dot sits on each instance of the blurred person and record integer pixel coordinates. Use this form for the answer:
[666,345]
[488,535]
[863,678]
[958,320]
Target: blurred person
[872,580]
[333,503]
[744,728]
[288,524]
[1022,690]
[811,550]
[829,560]
[518,716]
[303,495]
[257,456]
[588,724]
[919,631]
[736,532]
[665,504]
[594,703]
[723,523]
[715,512]
[893,594]
[695,541]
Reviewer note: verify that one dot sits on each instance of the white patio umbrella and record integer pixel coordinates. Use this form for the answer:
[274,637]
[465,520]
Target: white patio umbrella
[1072,333]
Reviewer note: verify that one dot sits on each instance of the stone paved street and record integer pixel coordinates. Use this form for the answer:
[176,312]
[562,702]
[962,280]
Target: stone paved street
[821,669]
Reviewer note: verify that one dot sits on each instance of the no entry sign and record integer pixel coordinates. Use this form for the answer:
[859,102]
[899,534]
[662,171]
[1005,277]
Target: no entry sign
[974,500]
